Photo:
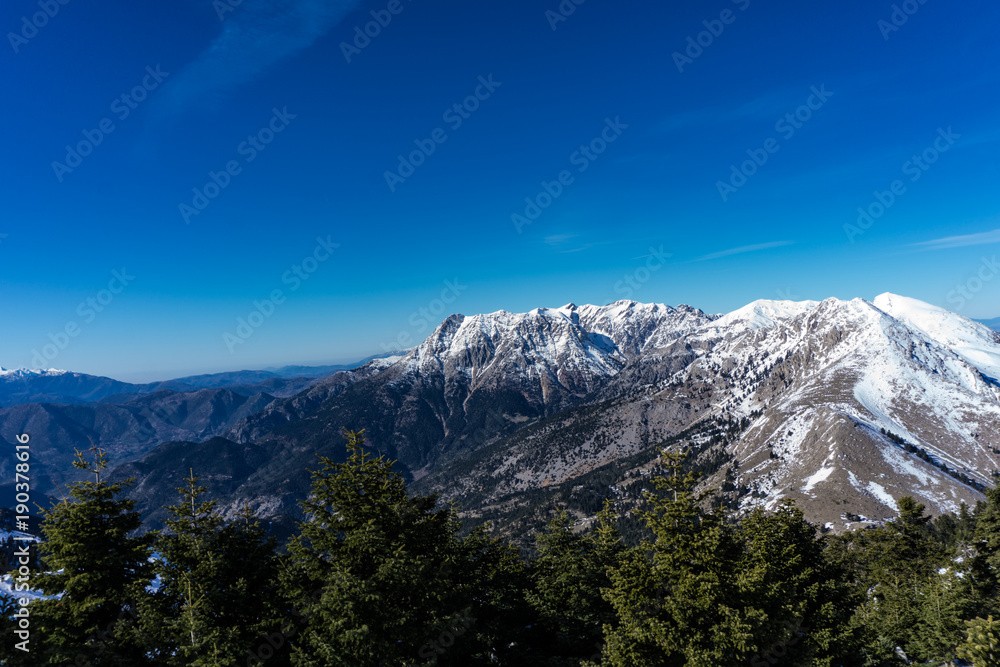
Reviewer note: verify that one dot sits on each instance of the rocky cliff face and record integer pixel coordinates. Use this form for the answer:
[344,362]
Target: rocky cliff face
[843,405]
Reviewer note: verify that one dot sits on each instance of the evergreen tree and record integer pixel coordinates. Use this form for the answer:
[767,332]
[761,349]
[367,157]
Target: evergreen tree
[982,643]
[894,565]
[798,599]
[99,569]
[382,578]
[488,581]
[986,544]
[218,599]
[947,599]
[681,607]
[569,576]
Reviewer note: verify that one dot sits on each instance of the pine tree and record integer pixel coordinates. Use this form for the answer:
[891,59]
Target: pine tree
[982,643]
[98,567]
[798,599]
[947,599]
[682,607]
[568,578]
[378,575]
[218,599]
[894,566]
[488,580]
[986,542]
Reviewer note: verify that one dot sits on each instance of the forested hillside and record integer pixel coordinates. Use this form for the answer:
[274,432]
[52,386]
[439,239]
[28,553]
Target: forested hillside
[376,577]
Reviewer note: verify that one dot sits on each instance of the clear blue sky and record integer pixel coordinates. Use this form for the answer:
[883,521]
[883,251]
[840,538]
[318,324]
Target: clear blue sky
[884,96]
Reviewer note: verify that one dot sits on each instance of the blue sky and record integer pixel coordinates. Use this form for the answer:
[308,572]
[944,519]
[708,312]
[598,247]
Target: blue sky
[308,122]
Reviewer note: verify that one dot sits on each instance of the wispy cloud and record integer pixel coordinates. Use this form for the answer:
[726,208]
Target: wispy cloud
[565,243]
[744,249]
[763,107]
[982,238]
[256,36]
[559,239]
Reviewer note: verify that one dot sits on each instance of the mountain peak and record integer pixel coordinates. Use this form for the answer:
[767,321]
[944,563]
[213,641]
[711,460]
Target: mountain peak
[973,341]
[765,313]
[22,372]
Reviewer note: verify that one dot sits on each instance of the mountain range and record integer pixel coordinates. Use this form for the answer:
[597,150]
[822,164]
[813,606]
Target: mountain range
[844,406]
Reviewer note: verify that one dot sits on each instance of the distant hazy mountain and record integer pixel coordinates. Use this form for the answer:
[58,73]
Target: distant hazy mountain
[777,399]
[58,386]
[260,377]
[64,411]
[992,324]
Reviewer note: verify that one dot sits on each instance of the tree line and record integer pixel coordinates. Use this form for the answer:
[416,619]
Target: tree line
[377,577]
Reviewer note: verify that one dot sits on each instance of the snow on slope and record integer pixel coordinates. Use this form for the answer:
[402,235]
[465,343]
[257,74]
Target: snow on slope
[974,342]
[598,340]
[764,313]
[844,369]
[26,372]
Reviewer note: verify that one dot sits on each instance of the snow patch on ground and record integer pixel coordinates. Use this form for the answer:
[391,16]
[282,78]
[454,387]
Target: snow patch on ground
[820,476]
[883,496]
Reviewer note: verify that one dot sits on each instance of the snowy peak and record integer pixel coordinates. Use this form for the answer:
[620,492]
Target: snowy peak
[976,343]
[29,372]
[764,314]
[552,355]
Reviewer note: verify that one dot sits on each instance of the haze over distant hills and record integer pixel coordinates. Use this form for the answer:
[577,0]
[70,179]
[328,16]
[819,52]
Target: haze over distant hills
[992,323]
[844,406]
[60,386]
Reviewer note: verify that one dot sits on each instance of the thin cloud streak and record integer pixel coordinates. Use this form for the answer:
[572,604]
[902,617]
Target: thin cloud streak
[743,249]
[982,238]
[256,36]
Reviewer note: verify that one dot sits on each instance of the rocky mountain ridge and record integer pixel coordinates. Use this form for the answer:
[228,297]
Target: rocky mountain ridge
[844,406]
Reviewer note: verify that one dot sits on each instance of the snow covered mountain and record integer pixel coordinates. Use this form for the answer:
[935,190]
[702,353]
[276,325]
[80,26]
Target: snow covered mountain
[57,386]
[843,405]
[834,379]
[554,354]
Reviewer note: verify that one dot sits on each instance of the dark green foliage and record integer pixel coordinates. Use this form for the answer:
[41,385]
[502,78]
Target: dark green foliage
[682,606]
[99,566]
[377,576]
[798,597]
[982,643]
[383,578]
[569,577]
[218,600]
